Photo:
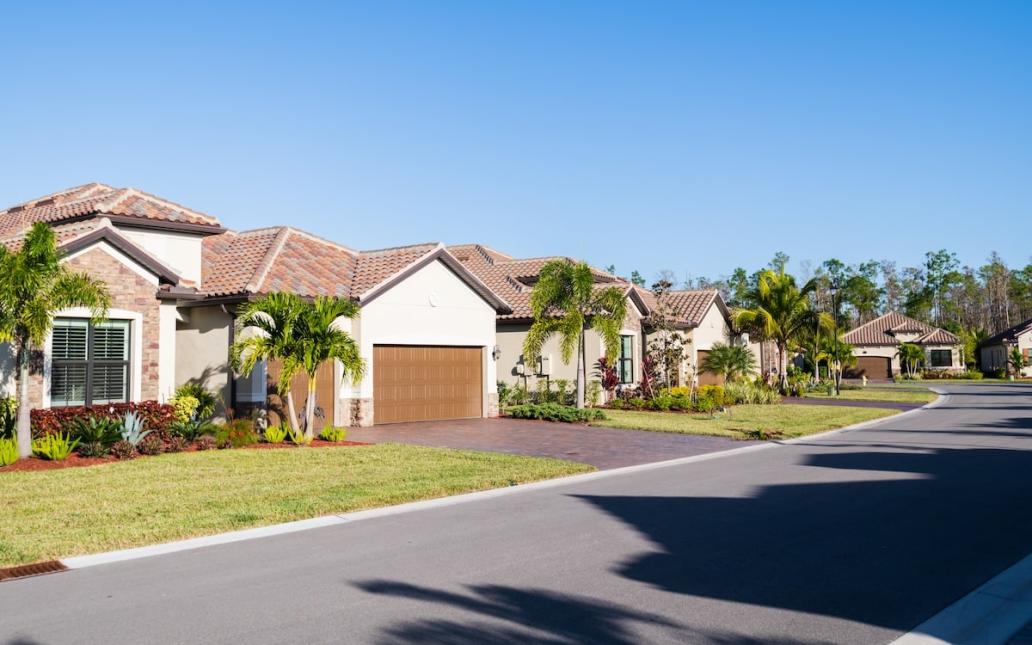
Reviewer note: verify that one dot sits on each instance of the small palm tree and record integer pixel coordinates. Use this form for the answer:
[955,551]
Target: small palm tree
[302,335]
[781,311]
[565,302]
[1016,360]
[910,356]
[34,285]
[731,361]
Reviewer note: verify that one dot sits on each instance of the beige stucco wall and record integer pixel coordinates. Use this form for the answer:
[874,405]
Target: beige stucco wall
[179,251]
[431,307]
[511,336]
[892,352]
[202,349]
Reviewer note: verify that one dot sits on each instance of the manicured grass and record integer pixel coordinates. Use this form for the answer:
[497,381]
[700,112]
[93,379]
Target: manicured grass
[744,420]
[59,513]
[879,393]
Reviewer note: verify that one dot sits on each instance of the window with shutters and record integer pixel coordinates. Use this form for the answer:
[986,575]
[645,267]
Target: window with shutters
[90,363]
[625,364]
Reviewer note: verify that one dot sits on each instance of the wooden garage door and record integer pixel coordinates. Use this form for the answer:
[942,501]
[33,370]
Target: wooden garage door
[325,399]
[420,383]
[707,378]
[872,366]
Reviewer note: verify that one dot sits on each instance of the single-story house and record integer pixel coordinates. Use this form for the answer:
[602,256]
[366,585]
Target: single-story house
[994,352]
[426,325]
[513,279]
[876,346]
[704,319]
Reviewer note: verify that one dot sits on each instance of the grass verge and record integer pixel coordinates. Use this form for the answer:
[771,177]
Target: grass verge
[60,513]
[876,393]
[744,421]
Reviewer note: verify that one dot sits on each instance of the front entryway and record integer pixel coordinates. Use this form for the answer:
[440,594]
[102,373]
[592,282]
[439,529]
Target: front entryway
[422,383]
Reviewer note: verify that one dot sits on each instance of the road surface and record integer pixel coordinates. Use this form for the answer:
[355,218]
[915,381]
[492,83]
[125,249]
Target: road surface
[853,538]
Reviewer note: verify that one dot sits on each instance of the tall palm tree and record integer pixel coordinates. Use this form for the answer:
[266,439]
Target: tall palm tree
[564,301]
[302,335]
[781,311]
[731,361]
[34,285]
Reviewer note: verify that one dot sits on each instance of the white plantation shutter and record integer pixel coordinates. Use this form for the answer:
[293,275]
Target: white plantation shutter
[90,363]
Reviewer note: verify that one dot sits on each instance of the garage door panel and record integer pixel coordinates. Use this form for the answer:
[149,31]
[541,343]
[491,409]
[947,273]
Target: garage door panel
[871,366]
[419,383]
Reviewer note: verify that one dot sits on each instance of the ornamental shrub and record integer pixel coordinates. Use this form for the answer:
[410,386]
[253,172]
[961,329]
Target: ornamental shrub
[207,442]
[275,434]
[236,434]
[8,451]
[555,412]
[150,445]
[185,406]
[156,416]
[333,433]
[176,444]
[123,450]
[714,393]
[54,447]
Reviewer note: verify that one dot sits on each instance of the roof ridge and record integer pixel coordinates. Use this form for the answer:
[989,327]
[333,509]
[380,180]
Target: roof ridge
[432,245]
[171,204]
[91,186]
[319,238]
[262,270]
[872,321]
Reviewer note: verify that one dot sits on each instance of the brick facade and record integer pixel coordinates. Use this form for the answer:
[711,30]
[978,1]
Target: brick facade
[131,292]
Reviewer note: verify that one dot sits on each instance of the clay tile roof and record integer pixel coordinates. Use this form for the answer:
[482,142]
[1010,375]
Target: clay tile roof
[689,307]
[880,332]
[1009,335]
[98,200]
[373,267]
[513,278]
[64,233]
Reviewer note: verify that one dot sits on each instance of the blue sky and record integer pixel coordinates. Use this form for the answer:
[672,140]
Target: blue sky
[684,136]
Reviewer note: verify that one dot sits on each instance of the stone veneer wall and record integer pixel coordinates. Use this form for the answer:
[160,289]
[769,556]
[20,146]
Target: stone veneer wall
[128,291]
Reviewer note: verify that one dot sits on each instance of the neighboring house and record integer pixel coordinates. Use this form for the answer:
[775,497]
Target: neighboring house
[876,346]
[513,279]
[426,325]
[994,352]
[704,318]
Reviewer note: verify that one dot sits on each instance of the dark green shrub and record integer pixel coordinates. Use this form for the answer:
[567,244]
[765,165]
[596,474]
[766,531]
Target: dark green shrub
[636,403]
[100,431]
[122,449]
[191,428]
[617,404]
[151,445]
[555,412]
[8,418]
[92,449]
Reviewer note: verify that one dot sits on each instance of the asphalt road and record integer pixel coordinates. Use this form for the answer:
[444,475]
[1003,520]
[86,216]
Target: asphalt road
[855,538]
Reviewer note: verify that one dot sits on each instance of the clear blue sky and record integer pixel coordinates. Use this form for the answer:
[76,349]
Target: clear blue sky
[694,137]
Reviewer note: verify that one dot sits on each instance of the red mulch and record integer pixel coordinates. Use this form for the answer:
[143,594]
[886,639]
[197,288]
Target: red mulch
[75,461]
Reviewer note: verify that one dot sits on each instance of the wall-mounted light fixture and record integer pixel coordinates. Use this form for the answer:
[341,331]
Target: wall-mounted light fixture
[496,353]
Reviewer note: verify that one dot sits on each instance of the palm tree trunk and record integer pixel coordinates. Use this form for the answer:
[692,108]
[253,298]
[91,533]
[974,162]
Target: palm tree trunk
[292,413]
[24,418]
[782,372]
[310,408]
[580,371]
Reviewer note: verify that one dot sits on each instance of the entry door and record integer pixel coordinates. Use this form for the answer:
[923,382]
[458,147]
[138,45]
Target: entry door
[422,383]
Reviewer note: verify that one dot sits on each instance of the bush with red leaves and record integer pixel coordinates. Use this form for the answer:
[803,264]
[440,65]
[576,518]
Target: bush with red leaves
[156,416]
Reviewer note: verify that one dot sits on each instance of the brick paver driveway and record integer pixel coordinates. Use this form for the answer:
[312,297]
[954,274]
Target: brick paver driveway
[600,447]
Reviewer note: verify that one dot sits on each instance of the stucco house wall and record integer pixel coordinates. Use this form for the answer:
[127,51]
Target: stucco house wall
[202,338]
[995,357]
[432,306]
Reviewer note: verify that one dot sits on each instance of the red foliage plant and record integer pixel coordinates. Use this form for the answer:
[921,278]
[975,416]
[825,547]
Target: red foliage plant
[156,416]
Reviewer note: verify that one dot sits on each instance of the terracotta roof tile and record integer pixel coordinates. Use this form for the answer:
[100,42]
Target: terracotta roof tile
[1009,335]
[98,200]
[880,332]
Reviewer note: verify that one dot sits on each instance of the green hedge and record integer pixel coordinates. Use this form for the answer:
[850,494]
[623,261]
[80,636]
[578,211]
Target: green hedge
[555,412]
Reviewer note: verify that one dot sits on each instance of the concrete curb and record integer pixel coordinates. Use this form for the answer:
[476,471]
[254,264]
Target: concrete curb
[991,614]
[84,561]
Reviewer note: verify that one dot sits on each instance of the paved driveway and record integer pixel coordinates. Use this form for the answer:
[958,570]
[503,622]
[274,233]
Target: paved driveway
[601,447]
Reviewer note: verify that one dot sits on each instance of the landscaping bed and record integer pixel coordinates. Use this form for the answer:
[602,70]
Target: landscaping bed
[746,421]
[73,511]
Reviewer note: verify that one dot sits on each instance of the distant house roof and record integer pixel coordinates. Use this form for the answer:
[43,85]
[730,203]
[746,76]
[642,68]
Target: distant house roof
[120,205]
[883,329]
[513,278]
[1009,335]
[283,258]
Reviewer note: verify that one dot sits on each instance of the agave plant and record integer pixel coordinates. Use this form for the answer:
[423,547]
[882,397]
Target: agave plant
[132,428]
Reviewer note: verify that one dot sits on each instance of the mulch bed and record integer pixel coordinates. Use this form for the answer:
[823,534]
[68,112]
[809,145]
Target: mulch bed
[75,461]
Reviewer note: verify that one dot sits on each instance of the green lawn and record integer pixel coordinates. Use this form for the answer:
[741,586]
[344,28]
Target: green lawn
[745,420]
[59,513]
[919,394]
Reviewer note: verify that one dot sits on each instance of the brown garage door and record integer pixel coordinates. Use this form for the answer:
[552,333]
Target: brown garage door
[871,366]
[420,383]
[708,378]
[325,399]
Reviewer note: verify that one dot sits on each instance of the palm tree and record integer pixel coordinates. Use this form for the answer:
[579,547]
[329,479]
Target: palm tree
[302,335]
[564,301]
[910,356]
[1016,360]
[781,311]
[34,285]
[732,361]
